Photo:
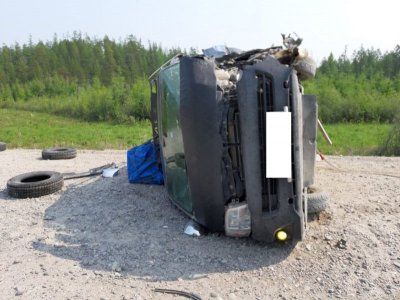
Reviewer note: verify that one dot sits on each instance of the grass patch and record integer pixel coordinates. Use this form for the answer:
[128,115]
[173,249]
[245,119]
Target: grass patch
[354,139]
[391,147]
[22,129]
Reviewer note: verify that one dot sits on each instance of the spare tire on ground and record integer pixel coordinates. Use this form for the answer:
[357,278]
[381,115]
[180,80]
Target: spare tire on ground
[35,184]
[317,201]
[59,153]
[3,146]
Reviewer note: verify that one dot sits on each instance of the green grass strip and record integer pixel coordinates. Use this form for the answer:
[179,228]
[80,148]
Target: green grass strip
[354,139]
[22,129]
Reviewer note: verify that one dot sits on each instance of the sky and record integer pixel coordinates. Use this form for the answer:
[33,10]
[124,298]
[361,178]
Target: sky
[326,26]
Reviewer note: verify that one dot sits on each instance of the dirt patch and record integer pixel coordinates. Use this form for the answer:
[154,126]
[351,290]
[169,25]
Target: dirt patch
[107,239]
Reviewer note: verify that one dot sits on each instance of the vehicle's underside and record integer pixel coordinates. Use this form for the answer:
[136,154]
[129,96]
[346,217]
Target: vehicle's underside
[225,104]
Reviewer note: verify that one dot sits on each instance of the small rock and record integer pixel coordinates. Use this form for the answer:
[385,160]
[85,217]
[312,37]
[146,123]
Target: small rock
[232,296]
[198,276]
[308,247]
[213,295]
[328,237]
[363,280]
[88,262]
[18,292]
[341,244]
[116,267]
[397,264]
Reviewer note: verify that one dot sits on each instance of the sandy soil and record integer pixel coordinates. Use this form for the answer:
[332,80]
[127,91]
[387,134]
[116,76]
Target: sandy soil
[104,238]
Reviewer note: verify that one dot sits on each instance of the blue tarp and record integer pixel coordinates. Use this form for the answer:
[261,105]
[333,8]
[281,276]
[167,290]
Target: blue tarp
[144,165]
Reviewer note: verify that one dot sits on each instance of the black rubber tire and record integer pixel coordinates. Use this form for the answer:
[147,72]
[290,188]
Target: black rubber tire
[35,184]
[317,201]
[59,153]
[3,146]
[306,68]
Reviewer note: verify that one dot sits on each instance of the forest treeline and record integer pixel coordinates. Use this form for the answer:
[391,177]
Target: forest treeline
[90,79]
[103,79]
[80,60]
[363,87]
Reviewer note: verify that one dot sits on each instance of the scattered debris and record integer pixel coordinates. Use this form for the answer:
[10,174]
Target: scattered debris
[341,244]
[180,293]
[93,172]
[192,228]
[110,172]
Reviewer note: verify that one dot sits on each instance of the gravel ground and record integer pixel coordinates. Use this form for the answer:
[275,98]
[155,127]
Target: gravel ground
[104,238]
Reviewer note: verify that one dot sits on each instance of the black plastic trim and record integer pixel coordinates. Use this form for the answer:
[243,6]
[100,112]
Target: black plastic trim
[289,214]
[201,114]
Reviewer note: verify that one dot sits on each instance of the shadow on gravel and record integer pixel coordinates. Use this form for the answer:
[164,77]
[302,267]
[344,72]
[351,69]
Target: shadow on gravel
[107,224]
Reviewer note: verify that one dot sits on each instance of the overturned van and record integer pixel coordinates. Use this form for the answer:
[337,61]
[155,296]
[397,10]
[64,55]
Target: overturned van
[237,139]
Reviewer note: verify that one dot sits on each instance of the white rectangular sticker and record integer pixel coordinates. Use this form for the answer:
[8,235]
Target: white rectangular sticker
[279,144]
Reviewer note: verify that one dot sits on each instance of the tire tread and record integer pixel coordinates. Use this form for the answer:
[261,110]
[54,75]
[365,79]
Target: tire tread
[59,153]
[18,189]
[317,202]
